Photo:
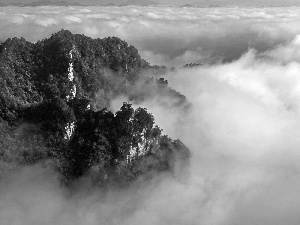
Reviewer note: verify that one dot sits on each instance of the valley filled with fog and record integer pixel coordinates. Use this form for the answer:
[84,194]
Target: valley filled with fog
[242,124]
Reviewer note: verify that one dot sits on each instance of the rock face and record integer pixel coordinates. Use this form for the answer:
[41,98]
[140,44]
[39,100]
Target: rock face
[72,93]
[61,86]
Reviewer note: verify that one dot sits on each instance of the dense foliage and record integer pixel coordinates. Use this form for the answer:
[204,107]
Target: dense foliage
[53,100]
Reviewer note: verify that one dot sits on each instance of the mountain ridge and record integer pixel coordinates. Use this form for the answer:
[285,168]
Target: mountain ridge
[54,95]
[66,3]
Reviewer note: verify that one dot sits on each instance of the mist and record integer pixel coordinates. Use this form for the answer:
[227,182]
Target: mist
[242,125]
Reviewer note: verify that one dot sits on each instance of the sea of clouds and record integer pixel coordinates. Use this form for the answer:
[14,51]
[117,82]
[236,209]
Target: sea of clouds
[243,127]
[163,35]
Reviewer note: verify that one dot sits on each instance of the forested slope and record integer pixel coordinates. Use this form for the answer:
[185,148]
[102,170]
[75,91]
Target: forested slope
[53,109]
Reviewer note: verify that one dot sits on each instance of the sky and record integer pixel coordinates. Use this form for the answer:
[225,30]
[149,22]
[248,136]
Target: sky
[181,2]
[243,126]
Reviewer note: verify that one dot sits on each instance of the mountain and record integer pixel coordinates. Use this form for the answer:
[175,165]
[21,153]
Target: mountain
[186,6]
[40,3]
[139,2]
[66,3]
[53,107]
[95,62]
[110,4]
[191,65]
[50,3]
[17,4]
[252,3]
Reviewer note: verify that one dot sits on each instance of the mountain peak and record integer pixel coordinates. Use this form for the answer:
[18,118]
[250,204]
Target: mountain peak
[43,3]
[139,2]
[63,33]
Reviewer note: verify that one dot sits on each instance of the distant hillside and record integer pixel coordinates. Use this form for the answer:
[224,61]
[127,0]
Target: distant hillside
[186,6]
[66,3]
[252,3]
[139,2]
[110,4]
[42,3]
[51,3]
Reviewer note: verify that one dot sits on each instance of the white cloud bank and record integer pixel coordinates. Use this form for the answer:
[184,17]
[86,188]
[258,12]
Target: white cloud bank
[163,35]
[243,128]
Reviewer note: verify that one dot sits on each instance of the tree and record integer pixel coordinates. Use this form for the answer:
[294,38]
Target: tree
[78,134]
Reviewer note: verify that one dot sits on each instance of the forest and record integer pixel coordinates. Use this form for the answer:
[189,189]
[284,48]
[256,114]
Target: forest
[55,100]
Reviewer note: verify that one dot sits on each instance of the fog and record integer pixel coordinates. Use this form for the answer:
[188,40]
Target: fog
[243,126]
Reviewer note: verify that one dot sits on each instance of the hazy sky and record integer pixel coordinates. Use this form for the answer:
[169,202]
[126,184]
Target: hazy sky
[180,2]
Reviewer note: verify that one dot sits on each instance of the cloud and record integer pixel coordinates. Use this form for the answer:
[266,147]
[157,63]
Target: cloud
[243,129]
[243,126]
[164,35]
[245,118]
